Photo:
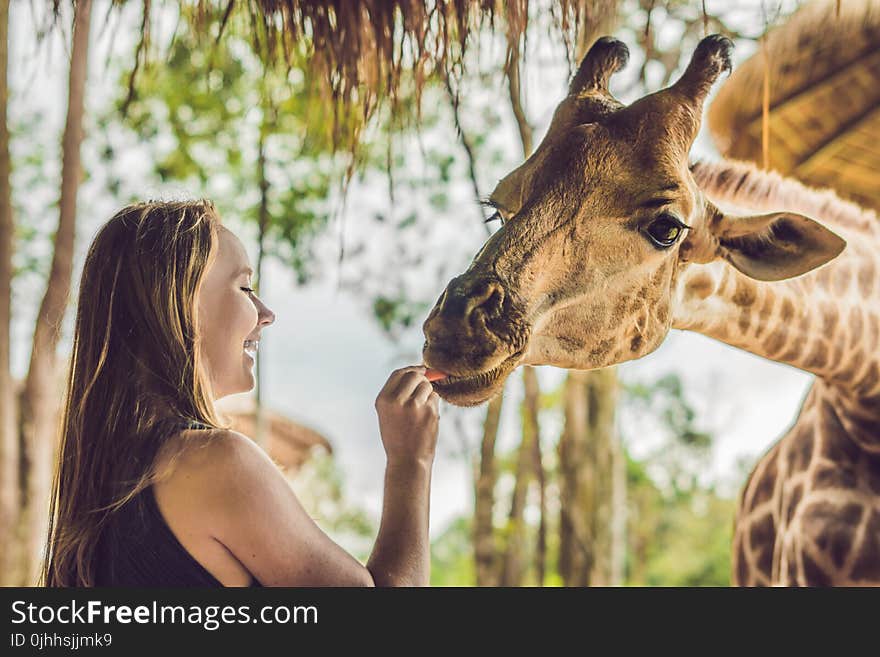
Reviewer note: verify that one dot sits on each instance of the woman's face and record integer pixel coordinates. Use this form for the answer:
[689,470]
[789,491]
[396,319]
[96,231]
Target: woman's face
[230,318]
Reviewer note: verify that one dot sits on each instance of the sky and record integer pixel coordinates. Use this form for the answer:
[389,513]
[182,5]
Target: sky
[325,358]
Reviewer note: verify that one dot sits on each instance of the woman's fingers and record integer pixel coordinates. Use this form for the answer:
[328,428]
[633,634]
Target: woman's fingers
[423,391]
[394,380]
[408,384]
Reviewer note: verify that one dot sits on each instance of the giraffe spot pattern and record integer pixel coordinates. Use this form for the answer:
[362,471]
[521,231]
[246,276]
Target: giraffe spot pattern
[828,476]
[836,446]
[663,316]
[742,565]
[763,488]
[831,527]
[790,570]
[765,559]
[829,318]
[602,348]
[866,566]
[867,275]
[813,574]
[842,279]
[873,329]
[745,318]
[818,357]
[791,500]
[836,353]
[636,344]
[800,452]
[776,340]
[766,308]
[855,327]
[871,379]
[745,294]
[786,312]
[699,286]
[872,477]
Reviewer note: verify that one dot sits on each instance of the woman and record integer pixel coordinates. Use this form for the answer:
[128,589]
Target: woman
[151,489]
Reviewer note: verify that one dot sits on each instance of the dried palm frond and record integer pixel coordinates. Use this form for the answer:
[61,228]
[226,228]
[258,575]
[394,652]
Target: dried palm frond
[360,49]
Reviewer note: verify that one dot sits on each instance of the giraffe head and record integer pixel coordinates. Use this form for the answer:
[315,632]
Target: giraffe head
[597,224]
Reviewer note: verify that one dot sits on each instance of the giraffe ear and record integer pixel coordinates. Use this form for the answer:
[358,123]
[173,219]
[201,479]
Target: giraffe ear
[775,246]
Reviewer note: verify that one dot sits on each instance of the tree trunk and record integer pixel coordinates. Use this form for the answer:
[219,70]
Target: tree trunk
[262,224]
[531,409]
[9,454]
[511,69]
[618,515]
[512,565]
[597,18]
[485,550]
[39,400]
[575,555]
[587,474]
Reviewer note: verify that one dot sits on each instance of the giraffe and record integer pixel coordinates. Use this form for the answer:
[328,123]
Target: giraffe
[610,238]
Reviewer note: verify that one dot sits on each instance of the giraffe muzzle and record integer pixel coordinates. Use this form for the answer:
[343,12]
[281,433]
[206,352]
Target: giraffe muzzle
[475,336]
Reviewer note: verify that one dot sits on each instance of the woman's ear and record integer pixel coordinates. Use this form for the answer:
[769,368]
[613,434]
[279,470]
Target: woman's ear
[775,246]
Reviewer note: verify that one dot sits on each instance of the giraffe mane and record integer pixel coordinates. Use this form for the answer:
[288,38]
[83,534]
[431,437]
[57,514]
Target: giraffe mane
[743,184]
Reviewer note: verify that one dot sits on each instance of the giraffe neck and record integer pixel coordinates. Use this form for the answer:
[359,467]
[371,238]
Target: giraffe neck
[826,322]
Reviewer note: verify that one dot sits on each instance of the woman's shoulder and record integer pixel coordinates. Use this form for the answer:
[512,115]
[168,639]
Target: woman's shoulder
[204,471]
[213,476]
[206,454]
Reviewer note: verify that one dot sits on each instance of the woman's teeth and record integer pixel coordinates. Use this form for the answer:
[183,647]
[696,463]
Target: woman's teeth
[251,346]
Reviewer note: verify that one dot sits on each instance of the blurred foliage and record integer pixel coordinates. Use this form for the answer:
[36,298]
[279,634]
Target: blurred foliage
[394,312]
[320,487]
[678,528]
[233,129]
[679,539]
[34,211]
[452,561]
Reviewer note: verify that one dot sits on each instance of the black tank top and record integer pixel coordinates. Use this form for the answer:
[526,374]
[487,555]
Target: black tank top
[138,549]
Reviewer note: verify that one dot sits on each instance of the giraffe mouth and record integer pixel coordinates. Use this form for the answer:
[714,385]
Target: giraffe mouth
[474,389]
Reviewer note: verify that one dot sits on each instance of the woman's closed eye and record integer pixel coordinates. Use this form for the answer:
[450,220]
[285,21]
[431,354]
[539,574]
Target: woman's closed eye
[249,290]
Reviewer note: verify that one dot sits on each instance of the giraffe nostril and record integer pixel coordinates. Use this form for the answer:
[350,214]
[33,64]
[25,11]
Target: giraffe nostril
[495,301]
[487,299]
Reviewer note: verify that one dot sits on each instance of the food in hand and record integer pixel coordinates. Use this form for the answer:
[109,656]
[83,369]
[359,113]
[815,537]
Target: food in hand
[434,375]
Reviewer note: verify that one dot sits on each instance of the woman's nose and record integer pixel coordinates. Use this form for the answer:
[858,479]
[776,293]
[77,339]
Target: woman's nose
[266,316]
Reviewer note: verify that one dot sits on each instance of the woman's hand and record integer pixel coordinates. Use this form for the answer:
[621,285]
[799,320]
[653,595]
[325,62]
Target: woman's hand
[409,412]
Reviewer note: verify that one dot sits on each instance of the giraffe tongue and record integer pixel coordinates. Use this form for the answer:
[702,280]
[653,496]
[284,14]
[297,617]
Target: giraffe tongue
[434,375]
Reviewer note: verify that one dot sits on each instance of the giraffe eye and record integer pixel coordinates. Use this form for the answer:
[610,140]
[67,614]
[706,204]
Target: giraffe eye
[665,230]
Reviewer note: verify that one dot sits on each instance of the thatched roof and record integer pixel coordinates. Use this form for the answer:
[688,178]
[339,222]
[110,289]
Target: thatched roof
[362,46]
[289,443]
[359,49]
[824,100]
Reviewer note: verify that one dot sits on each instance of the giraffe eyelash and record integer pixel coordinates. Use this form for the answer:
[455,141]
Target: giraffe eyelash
[495,216]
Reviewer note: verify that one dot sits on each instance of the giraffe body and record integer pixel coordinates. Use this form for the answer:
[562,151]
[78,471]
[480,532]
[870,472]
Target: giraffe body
[810,513]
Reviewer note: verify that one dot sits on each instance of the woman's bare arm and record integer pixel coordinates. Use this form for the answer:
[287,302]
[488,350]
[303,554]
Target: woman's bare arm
[251,509]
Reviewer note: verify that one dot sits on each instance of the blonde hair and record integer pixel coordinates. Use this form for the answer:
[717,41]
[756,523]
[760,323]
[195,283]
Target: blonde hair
[135,372]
